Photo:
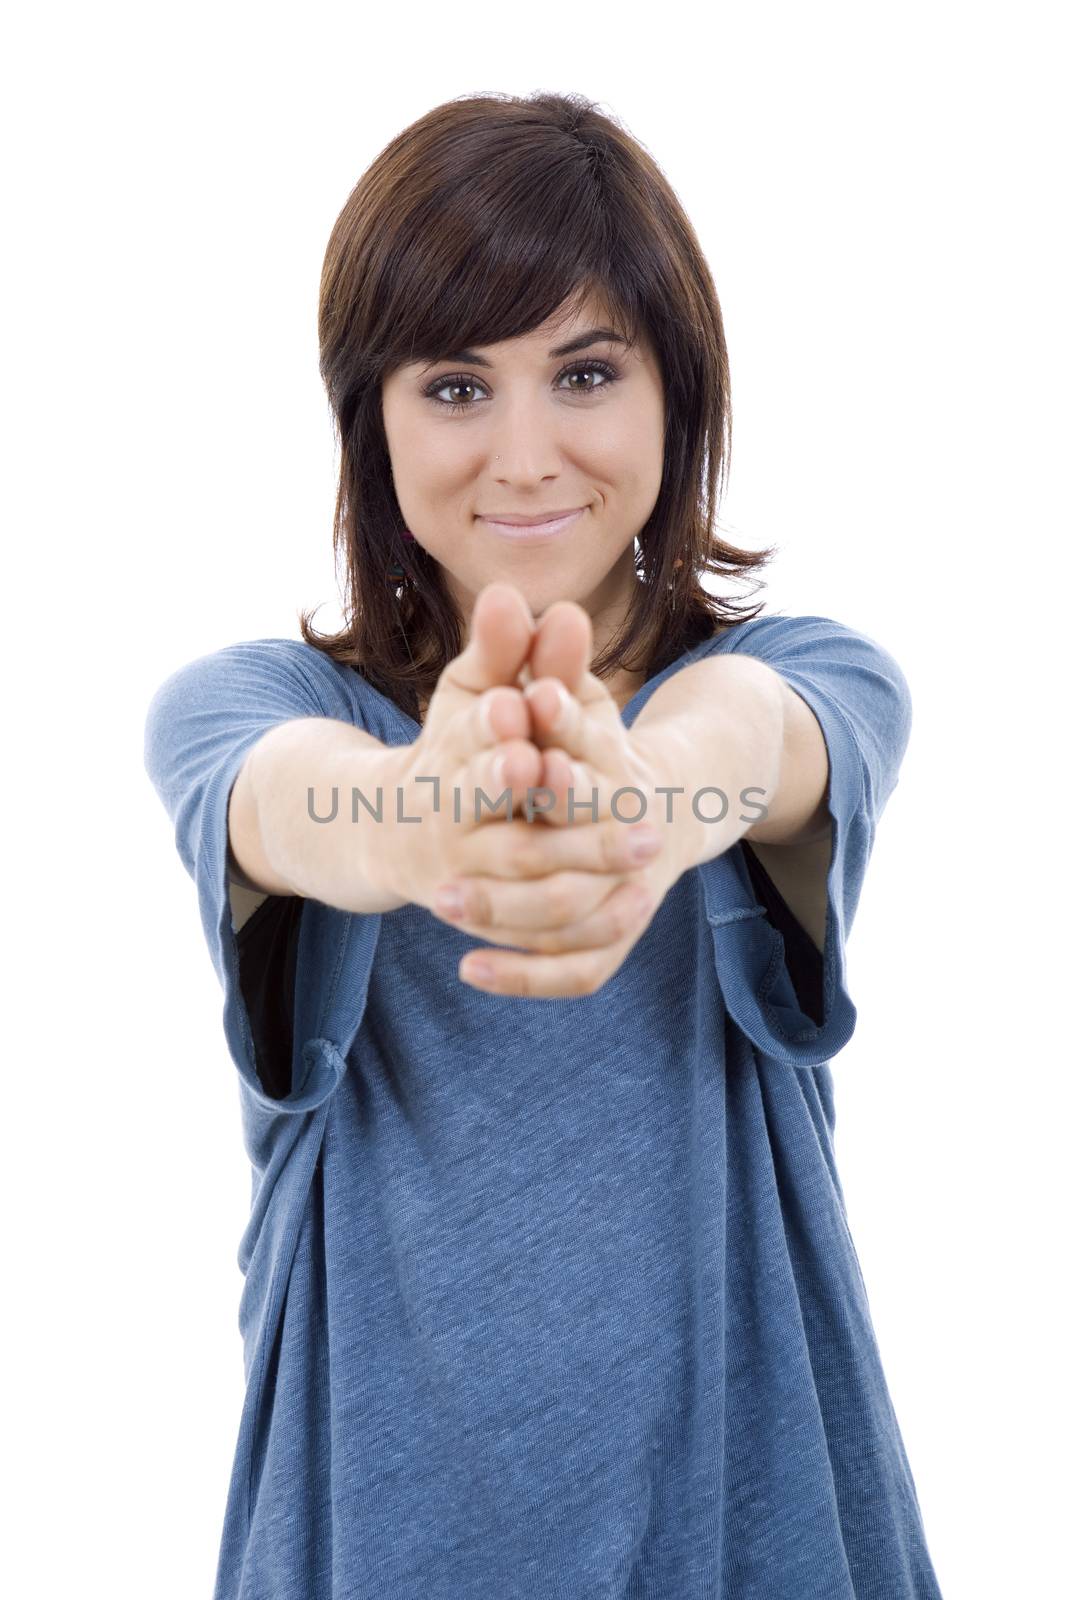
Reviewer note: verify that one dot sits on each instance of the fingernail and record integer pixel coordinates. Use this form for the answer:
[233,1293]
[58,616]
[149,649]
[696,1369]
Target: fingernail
[450,900]
[644,842]
[556,714]
[477,971]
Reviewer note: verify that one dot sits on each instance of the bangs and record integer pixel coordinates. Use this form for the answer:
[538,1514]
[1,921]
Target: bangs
[502,258]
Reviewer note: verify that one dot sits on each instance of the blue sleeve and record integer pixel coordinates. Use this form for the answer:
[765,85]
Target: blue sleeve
[200,725]
[861,700]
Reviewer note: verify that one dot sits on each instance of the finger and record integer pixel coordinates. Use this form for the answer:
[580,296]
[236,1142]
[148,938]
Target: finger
[572,793]
[503,770]
[500,634]
[544,977]
[562,645]
[493,717]
[556,788]
[624,913]
[532,850]
[586,724]
[495,723]
[486,905]
[561,651]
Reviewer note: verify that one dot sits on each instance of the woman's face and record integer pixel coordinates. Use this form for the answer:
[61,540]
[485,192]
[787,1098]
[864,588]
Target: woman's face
[538,433]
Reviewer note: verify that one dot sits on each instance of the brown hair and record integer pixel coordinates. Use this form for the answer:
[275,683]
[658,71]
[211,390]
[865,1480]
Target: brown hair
[473,226]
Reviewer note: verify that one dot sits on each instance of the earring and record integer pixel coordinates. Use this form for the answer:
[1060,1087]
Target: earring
[398,573]
[670,586]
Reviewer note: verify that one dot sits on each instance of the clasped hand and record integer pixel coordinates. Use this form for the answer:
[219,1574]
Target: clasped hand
[568,891]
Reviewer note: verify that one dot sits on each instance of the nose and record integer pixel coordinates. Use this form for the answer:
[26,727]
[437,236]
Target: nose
[525,448]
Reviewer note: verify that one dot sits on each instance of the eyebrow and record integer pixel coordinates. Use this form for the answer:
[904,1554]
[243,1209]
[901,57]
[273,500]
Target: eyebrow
[582,341]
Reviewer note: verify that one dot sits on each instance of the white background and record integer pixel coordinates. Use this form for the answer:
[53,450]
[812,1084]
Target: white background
[878,192]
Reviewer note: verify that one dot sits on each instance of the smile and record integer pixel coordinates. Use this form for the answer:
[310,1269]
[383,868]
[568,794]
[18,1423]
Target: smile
[535,530]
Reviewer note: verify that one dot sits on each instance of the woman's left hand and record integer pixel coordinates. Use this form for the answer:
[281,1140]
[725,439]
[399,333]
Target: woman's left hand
[577,926]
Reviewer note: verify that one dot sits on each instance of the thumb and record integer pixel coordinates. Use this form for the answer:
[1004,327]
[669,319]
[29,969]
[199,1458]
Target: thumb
[502,630]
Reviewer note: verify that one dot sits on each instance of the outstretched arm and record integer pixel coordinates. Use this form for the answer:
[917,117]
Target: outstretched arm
[737,719]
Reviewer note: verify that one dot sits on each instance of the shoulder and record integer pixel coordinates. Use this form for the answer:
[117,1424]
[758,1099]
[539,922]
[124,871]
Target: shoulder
[257,675]
[773,630]
[821,645]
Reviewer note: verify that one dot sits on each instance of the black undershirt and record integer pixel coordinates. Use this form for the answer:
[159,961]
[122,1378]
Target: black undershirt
[802,955]
[266,957]
[266,953]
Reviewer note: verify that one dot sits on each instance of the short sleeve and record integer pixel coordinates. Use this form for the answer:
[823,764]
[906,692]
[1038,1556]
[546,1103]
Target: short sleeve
[861,700]
[200,725]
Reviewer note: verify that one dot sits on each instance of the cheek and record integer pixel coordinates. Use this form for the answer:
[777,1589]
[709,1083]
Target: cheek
[441,455]
[644,470]
[630,454]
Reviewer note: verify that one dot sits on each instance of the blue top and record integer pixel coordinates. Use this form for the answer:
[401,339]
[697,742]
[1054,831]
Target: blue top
[553,1297]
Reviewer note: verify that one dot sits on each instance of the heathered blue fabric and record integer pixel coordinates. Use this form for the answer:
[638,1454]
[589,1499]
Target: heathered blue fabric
[553,1297]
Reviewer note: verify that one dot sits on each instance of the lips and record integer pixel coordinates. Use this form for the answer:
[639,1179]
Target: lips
[522,520]
[534,530]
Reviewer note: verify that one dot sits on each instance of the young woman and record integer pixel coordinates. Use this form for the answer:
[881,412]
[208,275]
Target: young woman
[549,1286]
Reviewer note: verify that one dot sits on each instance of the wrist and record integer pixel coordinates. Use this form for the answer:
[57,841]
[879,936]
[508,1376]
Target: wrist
[302,778]
[376,771]
[718,768]
[668,753]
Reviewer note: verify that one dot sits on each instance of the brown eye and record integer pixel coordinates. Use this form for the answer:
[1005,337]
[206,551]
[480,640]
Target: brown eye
[459,380]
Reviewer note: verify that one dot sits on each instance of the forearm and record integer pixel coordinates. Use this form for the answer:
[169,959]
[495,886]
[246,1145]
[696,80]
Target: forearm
[282,839]
[720,724]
